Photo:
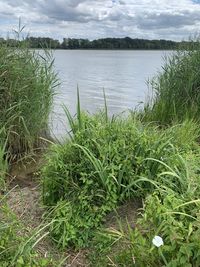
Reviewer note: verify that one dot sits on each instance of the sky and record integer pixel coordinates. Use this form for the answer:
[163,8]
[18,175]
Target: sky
[93,19]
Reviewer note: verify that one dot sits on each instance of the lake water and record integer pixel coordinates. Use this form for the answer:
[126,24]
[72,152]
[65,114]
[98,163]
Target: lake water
[123,75]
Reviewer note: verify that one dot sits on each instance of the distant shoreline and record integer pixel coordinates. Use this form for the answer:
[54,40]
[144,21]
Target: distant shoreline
[99,44]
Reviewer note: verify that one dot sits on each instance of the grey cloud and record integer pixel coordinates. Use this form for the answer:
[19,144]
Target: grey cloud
[84,11]
[64,10]
[166,20]
[122,2]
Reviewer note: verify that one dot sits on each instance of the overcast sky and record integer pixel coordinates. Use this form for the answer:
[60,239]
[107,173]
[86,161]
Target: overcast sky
[159,19]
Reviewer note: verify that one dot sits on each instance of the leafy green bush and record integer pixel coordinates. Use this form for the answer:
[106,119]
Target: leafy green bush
[176,94]
[27,83]
[106,162]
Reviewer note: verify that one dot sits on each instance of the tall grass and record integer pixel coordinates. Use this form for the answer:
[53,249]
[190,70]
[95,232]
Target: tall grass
[27,83]
[176,89]
[3,160]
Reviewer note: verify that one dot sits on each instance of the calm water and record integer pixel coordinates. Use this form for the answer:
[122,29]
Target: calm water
[123,75]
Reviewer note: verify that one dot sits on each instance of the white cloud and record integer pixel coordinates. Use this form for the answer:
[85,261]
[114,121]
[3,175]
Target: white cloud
[170,19]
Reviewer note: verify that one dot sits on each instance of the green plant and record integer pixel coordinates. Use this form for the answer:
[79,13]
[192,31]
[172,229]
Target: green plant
[102,247]
[173,218]
[104,163]
[3,160]
[17,247]
[176,88]
[27,83]
[184,135]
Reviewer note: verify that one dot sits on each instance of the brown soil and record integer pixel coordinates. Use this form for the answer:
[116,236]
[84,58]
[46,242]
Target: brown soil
[125,214]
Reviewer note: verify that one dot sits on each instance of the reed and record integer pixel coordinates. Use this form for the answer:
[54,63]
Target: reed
[3,160]
[176,89]
[27,86]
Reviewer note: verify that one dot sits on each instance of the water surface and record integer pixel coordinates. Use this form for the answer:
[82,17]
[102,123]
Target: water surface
[123,75]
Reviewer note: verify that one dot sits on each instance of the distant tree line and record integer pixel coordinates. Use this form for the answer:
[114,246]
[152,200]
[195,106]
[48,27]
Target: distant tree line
[117,43]
[105,43]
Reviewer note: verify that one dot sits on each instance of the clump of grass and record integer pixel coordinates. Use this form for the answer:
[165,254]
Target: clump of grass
[176,94]
[105,162]
[185,135]
[27,83]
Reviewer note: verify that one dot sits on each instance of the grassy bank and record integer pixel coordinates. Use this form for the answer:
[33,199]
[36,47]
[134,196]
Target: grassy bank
[151,157]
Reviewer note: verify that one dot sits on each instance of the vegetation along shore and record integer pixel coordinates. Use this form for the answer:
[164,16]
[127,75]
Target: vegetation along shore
[120,191]
[104,43]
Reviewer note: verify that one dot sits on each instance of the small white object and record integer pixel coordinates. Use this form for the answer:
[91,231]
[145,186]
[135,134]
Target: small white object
[157,241]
